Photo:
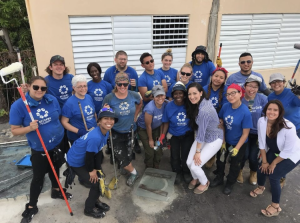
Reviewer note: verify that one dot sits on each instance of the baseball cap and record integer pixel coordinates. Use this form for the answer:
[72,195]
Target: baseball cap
[179,86]
[107,112]
[276,77]
[253,78]
[158,90]
[57,58]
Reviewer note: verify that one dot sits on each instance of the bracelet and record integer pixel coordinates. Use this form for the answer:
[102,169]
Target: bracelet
[198,152]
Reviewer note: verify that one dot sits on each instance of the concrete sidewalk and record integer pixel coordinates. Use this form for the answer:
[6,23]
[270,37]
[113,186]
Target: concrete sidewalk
[184,206]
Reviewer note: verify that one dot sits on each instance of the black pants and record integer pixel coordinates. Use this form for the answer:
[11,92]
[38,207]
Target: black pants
[235,163]
[40,166]
[65,143]
[94,193]
[180,148]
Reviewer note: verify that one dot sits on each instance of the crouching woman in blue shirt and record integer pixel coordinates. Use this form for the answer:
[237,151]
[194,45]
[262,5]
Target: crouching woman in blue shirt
[84,157]
[46,111]
[279,147]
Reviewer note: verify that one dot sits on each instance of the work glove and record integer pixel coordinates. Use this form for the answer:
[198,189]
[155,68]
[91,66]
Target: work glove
[219,61]
[101,182]
[223,147]
[82,132]
[148,94]
[295,88]
[234,152]
[161,138]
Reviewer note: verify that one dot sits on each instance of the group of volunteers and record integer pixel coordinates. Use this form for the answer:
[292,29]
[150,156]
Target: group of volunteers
[199,112]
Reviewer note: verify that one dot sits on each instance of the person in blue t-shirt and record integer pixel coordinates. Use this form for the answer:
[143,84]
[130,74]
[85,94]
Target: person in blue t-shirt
[175,121]
[121,59]
[169,72]
[149,127]
[150,77]
[245,63]
[237,121]
[216,91]
[256,103]
[97,88]
[127,105]
[202,66]
[84,158]
[45,110]
[72,116]
[185,75]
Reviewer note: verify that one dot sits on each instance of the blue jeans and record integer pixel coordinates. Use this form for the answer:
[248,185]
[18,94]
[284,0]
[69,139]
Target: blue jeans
[251,153]
[281,169]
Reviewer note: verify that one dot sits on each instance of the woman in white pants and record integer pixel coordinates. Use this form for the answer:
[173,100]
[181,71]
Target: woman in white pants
[204,120]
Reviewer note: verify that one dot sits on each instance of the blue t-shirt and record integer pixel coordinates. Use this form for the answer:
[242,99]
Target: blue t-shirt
[177,118]
[169,93]
[170,75]
[202,72]
[124,110]
[291,104]
[98,91]
[156,114]
[214,96]
[110,75]
[71,110]
[260,101]
[61,89]
[47,112]
[235,120]
[92,142]
[239,78]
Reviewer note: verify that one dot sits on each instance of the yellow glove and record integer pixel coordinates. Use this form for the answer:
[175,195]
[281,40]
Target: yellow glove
[148,94]
[219,62]
[223,147]
[101,182]
[234,152]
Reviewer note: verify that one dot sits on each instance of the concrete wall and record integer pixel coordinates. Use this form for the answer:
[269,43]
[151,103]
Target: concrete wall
[49,20]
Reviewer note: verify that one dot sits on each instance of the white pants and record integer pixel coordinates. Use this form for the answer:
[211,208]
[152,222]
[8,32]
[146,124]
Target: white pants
[207,152]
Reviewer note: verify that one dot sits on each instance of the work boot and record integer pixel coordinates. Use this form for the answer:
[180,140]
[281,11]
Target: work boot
[178,178]
[240,178]
[227,189]
[57,194]
[282,182]
[137,147]
[102,206]
[187,177]
[131,179]
[253,177]
[219,180]
[95,213]
[210,162]
[29,213]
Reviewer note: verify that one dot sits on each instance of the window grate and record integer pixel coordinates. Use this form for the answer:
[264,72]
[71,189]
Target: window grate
[170,31]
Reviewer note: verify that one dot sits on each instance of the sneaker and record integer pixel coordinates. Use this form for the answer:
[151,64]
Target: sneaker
[102,206]
[29,213]
[95,213]
[240,178]
[131,179]
[57,194]
[219,180]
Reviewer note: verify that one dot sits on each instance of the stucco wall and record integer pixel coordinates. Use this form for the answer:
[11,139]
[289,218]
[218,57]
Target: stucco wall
[49,20]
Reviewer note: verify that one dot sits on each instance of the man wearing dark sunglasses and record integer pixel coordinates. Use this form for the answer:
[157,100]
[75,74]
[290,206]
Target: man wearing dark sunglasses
[121,59]
[245,63]
[150,77]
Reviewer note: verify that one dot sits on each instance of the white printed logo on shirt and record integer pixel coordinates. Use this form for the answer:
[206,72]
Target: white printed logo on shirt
[88,110]
[214,101]
[42,113]
[155,82]
[124,106]
[63,89]
[198,74]
[181,117]
[168,79]
[98,92]
[229,121]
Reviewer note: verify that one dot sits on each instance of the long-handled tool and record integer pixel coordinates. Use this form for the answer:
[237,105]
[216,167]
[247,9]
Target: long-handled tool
[83,119]
[218,58]
[17,67]
[114,182]
[290,84]
[19,59]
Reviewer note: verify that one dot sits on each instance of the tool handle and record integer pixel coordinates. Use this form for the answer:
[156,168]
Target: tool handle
[82,115]
[296,68]
[220,49]
[22,74]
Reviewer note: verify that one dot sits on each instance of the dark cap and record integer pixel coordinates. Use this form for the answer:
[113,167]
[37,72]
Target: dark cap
[57,58]
[107,112]
[179,86]
[200,49]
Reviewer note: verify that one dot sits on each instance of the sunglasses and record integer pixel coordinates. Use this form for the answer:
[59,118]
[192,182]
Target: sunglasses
[150,61]
[106,109]
[248,61]
[124,84]
[187,74]
[36,87]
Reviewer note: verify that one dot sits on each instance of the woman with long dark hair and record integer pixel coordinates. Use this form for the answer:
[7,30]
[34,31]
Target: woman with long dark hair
[209,138]
[280,152]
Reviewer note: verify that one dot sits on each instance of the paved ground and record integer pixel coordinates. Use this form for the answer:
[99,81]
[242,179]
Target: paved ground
[184,206]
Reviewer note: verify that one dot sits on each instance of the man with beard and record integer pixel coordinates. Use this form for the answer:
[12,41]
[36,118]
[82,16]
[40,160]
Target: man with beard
[121,59]
[245,63]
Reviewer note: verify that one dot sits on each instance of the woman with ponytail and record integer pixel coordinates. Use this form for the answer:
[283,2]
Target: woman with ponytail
[169,72]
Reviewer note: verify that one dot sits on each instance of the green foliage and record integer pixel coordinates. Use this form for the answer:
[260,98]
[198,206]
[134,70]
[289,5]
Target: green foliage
[3,112]
[14,18]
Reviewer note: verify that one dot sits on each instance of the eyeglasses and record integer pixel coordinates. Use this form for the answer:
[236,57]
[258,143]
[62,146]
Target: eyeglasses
[36,88]
[231,94]
[150,61]
[253,87]
[81,86]
[247,61]
[124,84]
[184,73]
[276,82]
[106,109]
